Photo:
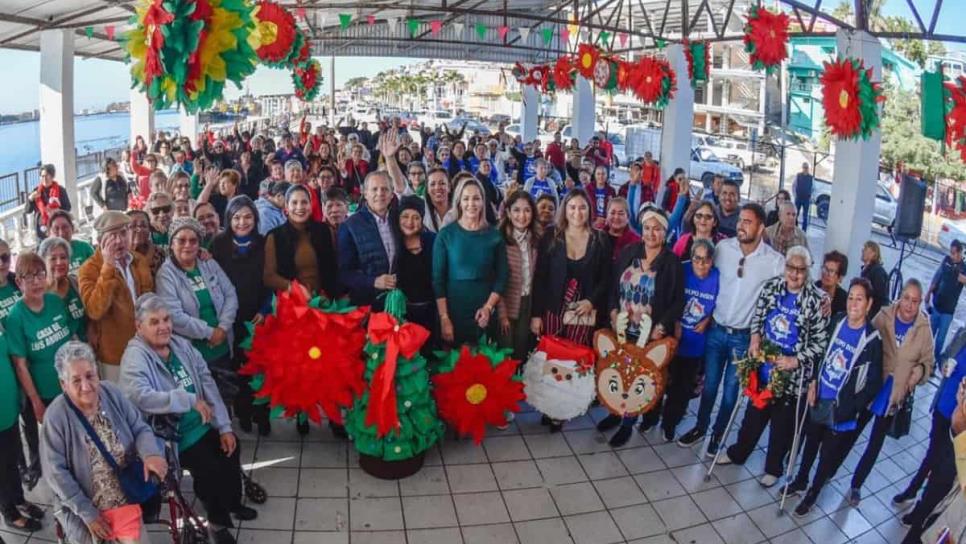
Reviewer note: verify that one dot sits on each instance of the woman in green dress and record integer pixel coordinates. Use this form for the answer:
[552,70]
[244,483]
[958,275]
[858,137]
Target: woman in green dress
[62,226]
[57,255]
[469,269]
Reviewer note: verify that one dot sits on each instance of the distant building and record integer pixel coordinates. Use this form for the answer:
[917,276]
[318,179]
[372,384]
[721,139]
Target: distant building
[273,105]
[953,63]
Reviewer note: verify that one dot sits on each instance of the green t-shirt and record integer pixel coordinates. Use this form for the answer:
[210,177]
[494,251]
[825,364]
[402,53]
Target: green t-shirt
[9,295]
[36,336]
[9,388]
[75,313]
[80,251]
[191,428]
[208,314]
[160,239]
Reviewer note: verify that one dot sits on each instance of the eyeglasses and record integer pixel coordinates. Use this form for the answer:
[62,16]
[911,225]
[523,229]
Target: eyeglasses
[796,269]
[703,216]
[161,209]
[741,267]
[36,276]
[829,271]
[701,259]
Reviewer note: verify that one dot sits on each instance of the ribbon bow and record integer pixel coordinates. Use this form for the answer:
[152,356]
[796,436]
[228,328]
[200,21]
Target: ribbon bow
[759,398]
[405,340]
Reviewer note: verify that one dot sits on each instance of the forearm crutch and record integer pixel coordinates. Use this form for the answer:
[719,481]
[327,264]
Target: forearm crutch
[793,456]
[731,422]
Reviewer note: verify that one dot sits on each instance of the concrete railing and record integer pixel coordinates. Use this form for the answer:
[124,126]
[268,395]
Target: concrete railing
[18,228]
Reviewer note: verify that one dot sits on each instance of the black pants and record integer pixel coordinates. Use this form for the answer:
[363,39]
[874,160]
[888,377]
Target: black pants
[11,491]
[831,448]
[682,387]
[31,435]
[941,459]
[872,449]
[938,437]
[217,479]
[244,402]
[781,415]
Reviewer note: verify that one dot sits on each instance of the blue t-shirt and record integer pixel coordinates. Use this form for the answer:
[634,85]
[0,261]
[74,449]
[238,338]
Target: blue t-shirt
[529,167]
[600,200]
[946,397]
[700,296]
[540,187]
[838,363]
[901,329]
[781,324]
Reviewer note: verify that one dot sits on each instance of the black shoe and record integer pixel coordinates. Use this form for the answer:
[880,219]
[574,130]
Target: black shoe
[902,498]
[691,437]
[855,497]
[796,488]
[245,424]
[338,430]
[645,426]
[906,520]
[556,426]
[544,420]
[621,437]
[302,427]
[805,506]
[668,435]
[713,445]
[244,513]
[223,536]
[608,423]
[31,510]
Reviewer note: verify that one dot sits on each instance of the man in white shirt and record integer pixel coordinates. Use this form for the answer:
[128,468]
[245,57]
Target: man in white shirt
[745,264]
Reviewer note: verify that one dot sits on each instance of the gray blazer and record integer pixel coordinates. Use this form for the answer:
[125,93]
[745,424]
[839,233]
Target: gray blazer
[66,461]
[174,287]
[145,380]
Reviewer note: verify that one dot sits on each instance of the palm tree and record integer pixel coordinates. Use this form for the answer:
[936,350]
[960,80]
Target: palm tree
[457,83]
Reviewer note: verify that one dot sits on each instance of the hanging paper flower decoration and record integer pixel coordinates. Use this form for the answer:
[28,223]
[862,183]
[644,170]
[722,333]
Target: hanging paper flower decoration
[605,74]
[307,357]
[699,62]
[766,37]
[652,80]
[623,75]
[302,50]
[587,57]
[850,98]
[478,389]
[956,115]
[539,76]
[276,33]
[183,51]
[520,73]
[563,73]
[307,78]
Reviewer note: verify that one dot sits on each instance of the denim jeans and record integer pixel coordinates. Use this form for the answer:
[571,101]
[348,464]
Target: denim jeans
[721,351]
[802,208]
[940,326]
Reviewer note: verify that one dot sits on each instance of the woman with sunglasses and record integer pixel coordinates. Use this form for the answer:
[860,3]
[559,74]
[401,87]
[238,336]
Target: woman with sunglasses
[160,209]
[788,316]
[704,226]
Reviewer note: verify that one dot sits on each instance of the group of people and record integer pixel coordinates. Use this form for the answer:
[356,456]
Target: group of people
[138,338]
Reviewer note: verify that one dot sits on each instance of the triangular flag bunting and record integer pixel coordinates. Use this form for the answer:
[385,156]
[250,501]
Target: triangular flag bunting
[392,22]
[344,20]
[623,38]
[458,28]
[89,30]
[503,31]
[109,30]
[300,12]
[371,19]
[661,43]
[547,34]
[435,26]
[565,33]
[573,29]
[481,30]
[524,32]
[604,37]
[413,25]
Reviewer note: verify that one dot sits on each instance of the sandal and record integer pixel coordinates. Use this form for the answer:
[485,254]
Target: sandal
[31,510]
[254,491]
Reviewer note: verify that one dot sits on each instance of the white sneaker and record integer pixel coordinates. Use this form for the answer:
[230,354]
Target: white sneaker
[723,459]
[768,480]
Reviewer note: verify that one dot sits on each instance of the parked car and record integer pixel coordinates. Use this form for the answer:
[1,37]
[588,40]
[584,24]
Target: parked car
[472,126]
[952,229]
[705,165]
[498,118]
[885,204]
[433,118]
[731,151]
[514,130]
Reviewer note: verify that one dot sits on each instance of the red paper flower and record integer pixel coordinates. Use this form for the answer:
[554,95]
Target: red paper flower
[307,78]
[477,393]
[563,73]
[623,75]
[652,80]
[850,98]
[277,32]
[539,76]
[587,57]
[309,359]
[766,37]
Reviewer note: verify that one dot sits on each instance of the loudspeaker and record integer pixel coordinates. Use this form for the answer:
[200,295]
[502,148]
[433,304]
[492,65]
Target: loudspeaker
[909,208]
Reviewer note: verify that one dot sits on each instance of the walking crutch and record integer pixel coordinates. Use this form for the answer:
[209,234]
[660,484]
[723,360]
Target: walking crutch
[731,421]
[793,456]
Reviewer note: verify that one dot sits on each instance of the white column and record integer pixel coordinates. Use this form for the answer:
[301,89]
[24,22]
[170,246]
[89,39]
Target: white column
[142,117]
[856,164]
[57,107]
[529,113]
[678,118]
[188,124]
[584,111]
[332,91]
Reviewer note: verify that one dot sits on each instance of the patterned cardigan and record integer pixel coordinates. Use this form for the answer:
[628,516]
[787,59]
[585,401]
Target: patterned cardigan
[812,325]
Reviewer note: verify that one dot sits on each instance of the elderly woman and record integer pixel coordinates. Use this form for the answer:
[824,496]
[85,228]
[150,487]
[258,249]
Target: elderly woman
[521,233]
[240,251]
[56,253]
[788,318]
[62,226]
[141,242]
[201,299]
[648,279]
[92,417]
[164,375]
[845,381]
[469,268]
[785,233]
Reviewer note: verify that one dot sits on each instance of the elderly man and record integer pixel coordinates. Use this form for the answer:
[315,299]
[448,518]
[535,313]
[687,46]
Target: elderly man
[369,242]
[785,233]
[109,282]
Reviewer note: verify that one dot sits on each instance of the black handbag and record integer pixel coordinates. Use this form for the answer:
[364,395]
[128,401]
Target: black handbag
[901,420]
[131,475]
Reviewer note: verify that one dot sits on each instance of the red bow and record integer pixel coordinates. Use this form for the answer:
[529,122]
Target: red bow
[759,399]
[402,340]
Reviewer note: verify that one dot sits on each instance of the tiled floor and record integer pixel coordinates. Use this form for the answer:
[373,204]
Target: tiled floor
[528,486]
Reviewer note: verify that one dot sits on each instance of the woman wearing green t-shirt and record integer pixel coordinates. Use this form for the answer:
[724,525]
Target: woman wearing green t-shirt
[56,253]
[9,292]
[202,300]
[62,226]
[37,325]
